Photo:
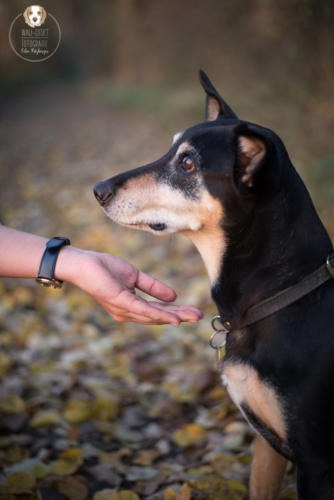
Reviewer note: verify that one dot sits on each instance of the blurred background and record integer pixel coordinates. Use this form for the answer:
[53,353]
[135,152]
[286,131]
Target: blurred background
[90,407]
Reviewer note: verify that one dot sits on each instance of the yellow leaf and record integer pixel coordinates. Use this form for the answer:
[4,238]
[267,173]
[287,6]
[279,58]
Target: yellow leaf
[169,494]
[236,486]
[18,483]
[44,418]
[188,435]
[201,471]
[106,495]
[12,404]
[5,363]
[72,455]
[128,495]
[68,463]
[64,468]
[105,409]
[184,493]
[78,410]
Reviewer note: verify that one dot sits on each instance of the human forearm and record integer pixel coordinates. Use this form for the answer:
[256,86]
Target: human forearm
[20,253]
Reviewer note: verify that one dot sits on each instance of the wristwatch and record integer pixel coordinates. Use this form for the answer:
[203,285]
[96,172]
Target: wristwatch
[48,263]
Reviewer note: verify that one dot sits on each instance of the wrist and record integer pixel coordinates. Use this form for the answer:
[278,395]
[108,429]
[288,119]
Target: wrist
[67,263]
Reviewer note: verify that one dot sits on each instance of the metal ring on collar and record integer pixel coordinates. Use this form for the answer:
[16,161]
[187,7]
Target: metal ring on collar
[213,336]
[225,325]
[214,320]
[330,268]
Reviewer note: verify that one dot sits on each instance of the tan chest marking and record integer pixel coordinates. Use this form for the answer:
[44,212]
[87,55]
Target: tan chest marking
[245,386]
[209,239]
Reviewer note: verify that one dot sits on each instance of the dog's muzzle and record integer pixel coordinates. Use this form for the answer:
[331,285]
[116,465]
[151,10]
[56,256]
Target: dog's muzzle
[104,191]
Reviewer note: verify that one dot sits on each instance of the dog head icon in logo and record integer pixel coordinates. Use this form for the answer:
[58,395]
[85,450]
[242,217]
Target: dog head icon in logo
[34,16]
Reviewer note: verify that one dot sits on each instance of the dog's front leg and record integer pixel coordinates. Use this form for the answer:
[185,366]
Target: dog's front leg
[267,472]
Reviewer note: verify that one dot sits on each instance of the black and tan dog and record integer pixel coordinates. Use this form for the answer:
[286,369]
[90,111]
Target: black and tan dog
[230,186]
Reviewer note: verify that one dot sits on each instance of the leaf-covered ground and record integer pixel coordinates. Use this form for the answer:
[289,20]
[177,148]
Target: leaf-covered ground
[90,408]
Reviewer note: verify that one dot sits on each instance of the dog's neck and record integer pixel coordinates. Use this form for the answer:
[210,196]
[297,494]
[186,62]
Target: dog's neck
[278,243]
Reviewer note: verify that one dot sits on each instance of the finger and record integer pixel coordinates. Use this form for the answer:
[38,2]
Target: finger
[194,309]
[137,305]
[155,288]
[124,315]
[184,313]
[135,318]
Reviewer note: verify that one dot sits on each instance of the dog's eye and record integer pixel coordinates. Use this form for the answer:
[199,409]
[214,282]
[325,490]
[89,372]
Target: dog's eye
[187,163]
[39,12]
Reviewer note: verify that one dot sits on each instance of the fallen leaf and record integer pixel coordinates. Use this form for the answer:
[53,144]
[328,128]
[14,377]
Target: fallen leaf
[106,473]
[106,495]
[32,466]
[12,404]
[78,410]
[144,473]
[18,483]
[5,363]
[105,409]
[184,493]
[146,457]
[68,463]
[45,418]
[128,495]
[73,488]
[188,435]
[169,494]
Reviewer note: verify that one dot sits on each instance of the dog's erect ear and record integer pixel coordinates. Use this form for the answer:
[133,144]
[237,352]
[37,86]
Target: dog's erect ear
[251,155]
[216,107]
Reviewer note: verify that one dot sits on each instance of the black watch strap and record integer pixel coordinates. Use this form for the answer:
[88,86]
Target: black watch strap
[48,263]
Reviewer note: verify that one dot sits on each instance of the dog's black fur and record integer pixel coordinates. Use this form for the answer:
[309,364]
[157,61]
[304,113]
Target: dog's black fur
[274,238]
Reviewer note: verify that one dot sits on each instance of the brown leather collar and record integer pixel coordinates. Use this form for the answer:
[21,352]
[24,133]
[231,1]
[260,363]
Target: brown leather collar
[281,299]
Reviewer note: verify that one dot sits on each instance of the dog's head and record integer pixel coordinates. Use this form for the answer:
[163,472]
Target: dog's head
[202,186]
[34,16]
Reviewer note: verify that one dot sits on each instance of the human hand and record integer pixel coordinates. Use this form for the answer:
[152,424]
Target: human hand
[112,281]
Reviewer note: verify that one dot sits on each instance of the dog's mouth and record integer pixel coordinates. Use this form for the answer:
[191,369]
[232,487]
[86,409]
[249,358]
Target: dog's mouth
[154,226]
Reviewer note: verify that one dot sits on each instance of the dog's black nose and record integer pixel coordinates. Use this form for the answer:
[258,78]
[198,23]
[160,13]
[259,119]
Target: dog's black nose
[103,191]
[34,19]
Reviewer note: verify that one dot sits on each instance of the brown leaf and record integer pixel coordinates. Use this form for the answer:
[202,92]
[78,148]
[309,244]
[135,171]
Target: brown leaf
[184,493]
[73,488]
[146,457]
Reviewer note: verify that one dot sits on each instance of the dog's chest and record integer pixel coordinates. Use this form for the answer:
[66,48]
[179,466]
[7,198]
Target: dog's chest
[246,388]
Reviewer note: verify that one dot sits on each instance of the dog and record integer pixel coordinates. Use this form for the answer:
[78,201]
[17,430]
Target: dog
[230,186]
[34,16]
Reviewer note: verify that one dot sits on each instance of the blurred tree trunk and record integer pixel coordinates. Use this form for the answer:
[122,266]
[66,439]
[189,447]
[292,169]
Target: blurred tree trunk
[127,48]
